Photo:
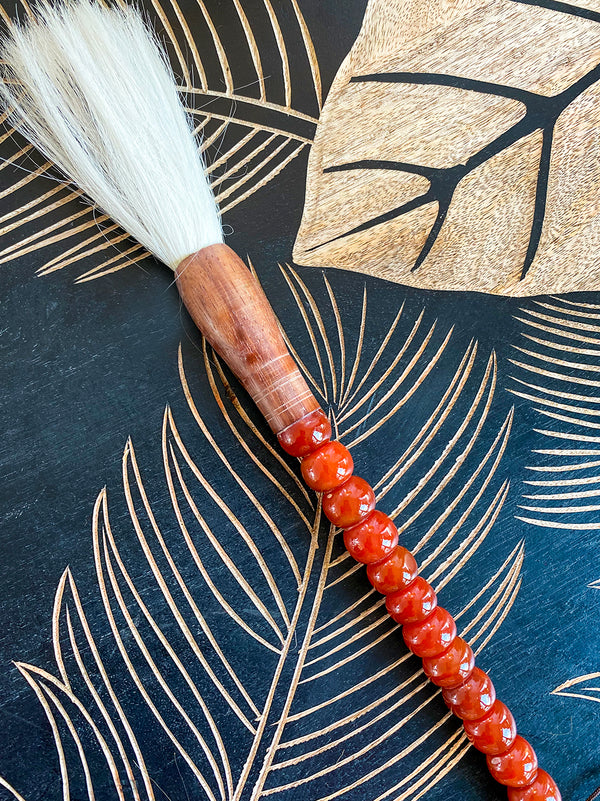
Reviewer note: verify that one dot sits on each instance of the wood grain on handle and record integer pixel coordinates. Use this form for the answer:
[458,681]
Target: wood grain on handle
[230,308]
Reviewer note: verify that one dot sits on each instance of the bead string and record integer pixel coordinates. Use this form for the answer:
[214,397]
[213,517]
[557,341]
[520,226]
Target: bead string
[594,795]
[429,631]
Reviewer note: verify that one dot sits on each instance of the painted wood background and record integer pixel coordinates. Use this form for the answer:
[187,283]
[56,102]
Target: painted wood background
[178,621]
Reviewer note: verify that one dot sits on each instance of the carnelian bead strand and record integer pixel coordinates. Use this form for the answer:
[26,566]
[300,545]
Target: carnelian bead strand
[429,631]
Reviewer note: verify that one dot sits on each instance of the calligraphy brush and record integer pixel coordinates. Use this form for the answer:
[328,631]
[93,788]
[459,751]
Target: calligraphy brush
[91,88]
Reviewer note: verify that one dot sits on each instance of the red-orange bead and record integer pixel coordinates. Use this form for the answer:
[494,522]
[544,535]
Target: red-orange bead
[473,698]
[306,435]
[543,789]
[371,540]
[394,573]
[431,636]
[495,733]
[412,604]
[452,667]
[516,767]
[350,504]
[327,467]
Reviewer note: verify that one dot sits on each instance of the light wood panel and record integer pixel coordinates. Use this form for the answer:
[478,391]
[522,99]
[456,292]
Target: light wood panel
[457,149]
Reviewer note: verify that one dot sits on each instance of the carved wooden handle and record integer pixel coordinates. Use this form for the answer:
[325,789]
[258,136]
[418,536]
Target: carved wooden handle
[228,305]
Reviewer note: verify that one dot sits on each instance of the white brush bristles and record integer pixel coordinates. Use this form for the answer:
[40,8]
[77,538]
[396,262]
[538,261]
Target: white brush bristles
[91,88]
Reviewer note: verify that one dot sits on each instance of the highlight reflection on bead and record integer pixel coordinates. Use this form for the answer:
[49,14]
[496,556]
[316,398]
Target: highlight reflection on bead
[494,733]
[398,570]
[516,767]
[543,788]
[327,467]
[373,539]
[473,698]
[350,503]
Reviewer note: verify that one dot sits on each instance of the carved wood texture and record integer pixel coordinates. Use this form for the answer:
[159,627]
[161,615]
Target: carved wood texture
[457,144]
[244,572]
[243,92]
[458,149]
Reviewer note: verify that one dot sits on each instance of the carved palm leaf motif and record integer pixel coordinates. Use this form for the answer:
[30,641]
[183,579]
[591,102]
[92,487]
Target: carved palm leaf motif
[231,567]
[555,368]
[457,149]
[585,687]
[254,112]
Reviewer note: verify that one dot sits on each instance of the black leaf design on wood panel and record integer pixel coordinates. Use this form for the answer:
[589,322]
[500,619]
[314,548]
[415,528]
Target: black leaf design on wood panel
[465,147]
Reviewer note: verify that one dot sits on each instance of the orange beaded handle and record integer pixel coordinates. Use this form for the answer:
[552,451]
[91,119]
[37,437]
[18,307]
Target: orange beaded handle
[231,310]
[428,630]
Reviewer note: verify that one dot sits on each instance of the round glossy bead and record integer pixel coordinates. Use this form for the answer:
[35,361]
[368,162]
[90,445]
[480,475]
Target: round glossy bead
[327,467]
[495,733]
[516,767]
[473,698]
[306,435]
[395,572]
[452,667]
[350,504]
[373,539]
[412,604]
[431,636]
[543,788]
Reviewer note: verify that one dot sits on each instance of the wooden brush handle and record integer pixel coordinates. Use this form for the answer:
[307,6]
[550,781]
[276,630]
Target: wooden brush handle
[229,307]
